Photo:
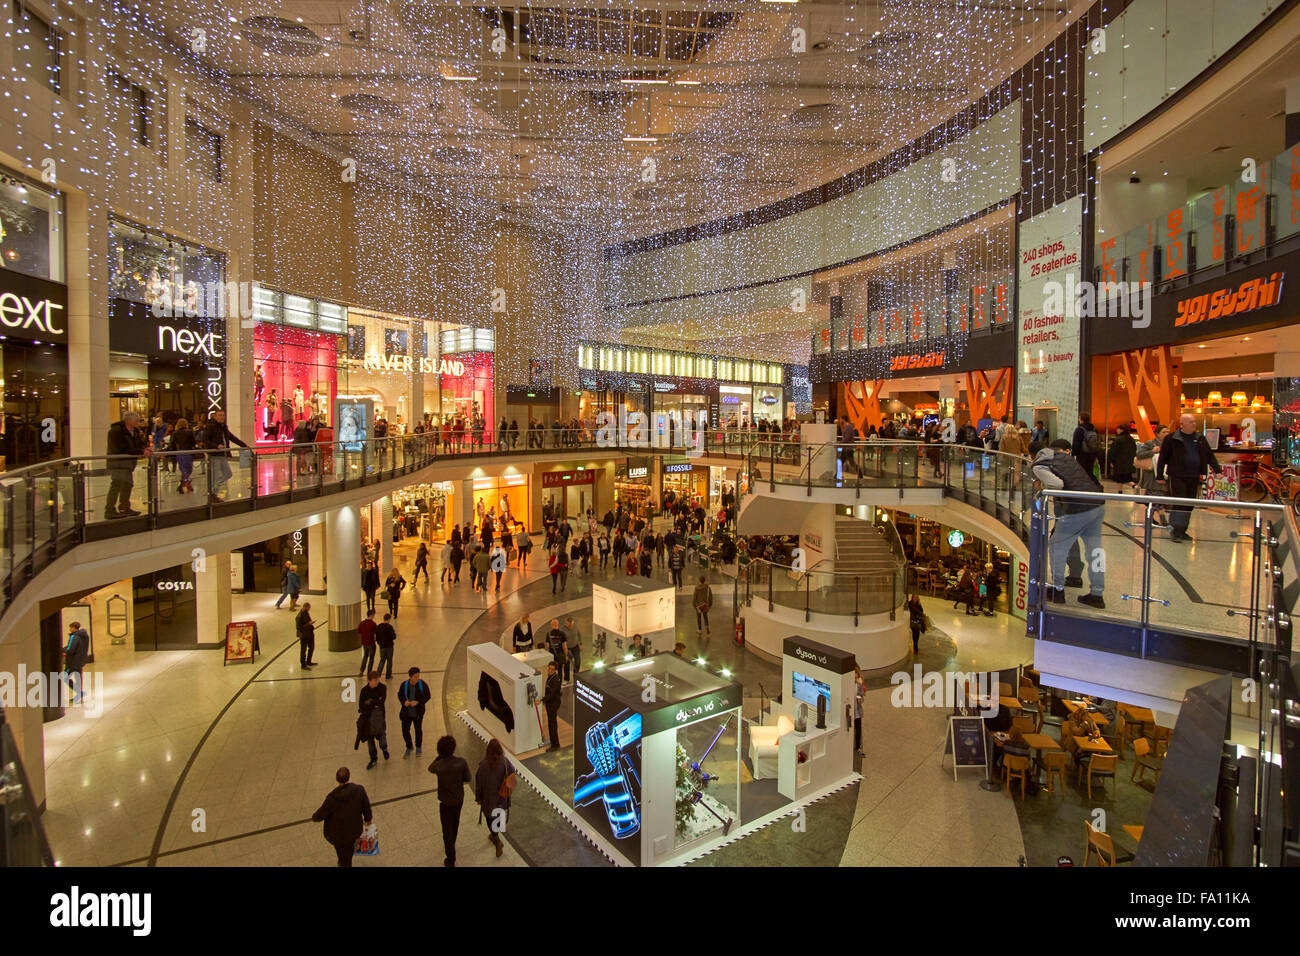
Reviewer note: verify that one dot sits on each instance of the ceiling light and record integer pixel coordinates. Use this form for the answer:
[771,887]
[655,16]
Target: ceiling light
[648,80]
[458,78]
[640,139]
[686,82]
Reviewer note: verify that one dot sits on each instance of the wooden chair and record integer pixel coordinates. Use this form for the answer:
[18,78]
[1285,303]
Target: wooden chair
[1129,729]
[1027,725]
[1144,760]
[1101,766]
[1055,762]
[1159,737]
[1004,689]
[1101,844]
[1031,702]
[1015,766]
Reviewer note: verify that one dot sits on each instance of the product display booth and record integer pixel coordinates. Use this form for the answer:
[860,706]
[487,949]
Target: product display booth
[656,761]
[807,743]
[634,605]
[505,693]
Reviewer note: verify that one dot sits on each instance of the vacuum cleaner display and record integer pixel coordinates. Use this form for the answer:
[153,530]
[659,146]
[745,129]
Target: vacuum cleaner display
[614,754]
[700,809]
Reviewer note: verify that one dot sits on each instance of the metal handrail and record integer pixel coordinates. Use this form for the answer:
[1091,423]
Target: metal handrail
[1163,500]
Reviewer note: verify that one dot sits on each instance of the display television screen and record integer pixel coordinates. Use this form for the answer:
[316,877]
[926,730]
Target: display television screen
[806,689]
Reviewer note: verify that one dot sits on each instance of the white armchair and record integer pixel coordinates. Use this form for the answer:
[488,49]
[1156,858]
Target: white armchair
[765,746]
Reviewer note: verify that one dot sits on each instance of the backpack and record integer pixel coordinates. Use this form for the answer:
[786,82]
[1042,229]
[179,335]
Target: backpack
[1092,442]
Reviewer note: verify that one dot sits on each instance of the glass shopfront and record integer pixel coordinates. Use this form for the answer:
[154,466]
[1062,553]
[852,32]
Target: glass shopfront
[505,497]
[33,324]
[686,480]
[570,492]
[31,228]
[420,511]
[468,383]
[632,483]
[296,377]
[167,330]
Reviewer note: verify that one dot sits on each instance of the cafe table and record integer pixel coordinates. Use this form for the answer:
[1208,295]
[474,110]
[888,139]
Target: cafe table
[1142,715]
[1098,746]
[1098,718]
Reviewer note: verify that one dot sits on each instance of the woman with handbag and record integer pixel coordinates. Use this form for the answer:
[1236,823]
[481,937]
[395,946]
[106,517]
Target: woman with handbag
[916,621]
[494,782]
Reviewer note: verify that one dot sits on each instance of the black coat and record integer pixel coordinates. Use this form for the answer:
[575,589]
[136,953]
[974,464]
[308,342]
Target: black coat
[1173,463]
[127,444]
[418,692]
[370,580]
[79,651]
[345,812]
[217,435]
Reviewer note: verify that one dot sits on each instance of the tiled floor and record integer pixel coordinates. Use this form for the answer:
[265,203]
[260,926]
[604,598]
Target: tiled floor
[193,763]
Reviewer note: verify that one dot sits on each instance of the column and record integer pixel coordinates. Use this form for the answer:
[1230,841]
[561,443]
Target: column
[1292,113]
[465,508]
[316,558]
[212,598]
[343,531]
[385,535]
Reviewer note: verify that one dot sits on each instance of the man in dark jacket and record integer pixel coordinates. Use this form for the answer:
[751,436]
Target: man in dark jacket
[345,811]
[551,697]
[452,773]
[372,718]
[412,695]
[1122,452]
[125,448]
[1086,445]
[218,438]
[1185,457]
[1058,469]
[385,637]
[370,584]
[306,636]
[75,655]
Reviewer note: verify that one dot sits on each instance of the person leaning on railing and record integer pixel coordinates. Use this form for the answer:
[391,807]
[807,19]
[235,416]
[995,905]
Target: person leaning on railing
[1058,469]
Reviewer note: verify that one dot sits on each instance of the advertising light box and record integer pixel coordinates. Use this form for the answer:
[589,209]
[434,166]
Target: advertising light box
[629,606]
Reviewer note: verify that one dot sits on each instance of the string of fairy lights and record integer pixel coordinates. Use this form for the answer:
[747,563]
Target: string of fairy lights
[522,143]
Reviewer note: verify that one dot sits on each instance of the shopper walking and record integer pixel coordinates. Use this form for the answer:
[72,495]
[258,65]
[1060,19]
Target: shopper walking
[306,629]
[479,565]
[75,654]
[573,643]
[497,562]
[366,631]
[345,813]
[523,545]
[1185,457]
[183,440]
[125,449]
[217,438]
[370,584]
[372,719]
[452,773]
[445,561]
[457,556]
[385,638]
[859,693]
[284,584]
[702,600]
[916,621]
[551,697]
[412,696]
[602,545]
[676,561]
[393,590]
[291,588]
[1057,468]
[1122,454]
[421,563]
[494,782]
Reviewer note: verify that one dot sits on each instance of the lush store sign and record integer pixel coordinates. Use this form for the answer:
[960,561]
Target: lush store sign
[32,309]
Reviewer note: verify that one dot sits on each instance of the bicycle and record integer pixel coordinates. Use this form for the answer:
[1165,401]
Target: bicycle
[1268,482]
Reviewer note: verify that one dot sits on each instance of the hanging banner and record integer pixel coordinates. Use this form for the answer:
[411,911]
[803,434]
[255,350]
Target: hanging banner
[1051,245]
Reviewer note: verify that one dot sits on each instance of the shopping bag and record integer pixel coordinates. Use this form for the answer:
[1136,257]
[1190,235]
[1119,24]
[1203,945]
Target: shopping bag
[368,843]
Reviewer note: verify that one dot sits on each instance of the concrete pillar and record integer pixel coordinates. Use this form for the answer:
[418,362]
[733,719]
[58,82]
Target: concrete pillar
[385,535]
[212,597]
[343,531]
[316,558]
[465,508]
[22,651]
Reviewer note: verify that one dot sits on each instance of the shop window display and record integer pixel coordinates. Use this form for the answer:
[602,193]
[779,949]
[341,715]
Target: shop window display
[707,784]
[505,497]
[31,228]
[295,377]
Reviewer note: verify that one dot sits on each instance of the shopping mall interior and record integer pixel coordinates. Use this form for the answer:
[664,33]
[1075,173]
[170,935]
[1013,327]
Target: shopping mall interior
[942,355]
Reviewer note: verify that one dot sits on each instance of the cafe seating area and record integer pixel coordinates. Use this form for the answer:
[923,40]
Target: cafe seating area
[1079,748]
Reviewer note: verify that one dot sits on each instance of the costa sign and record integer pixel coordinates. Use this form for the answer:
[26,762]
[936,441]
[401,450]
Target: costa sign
[1250,295]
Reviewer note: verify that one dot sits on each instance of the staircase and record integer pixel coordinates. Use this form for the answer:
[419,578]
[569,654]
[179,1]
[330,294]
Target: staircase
[860,548]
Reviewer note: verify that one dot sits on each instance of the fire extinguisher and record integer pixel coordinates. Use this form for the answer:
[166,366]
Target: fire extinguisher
[740,632]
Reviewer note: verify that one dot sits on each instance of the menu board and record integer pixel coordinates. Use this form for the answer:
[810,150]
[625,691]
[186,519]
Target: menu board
[966,743]
[241,641]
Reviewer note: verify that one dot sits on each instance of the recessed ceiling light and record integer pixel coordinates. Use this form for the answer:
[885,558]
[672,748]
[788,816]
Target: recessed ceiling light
[1201,346]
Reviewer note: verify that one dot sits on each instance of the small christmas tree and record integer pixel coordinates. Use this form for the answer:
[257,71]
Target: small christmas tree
[685,812]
